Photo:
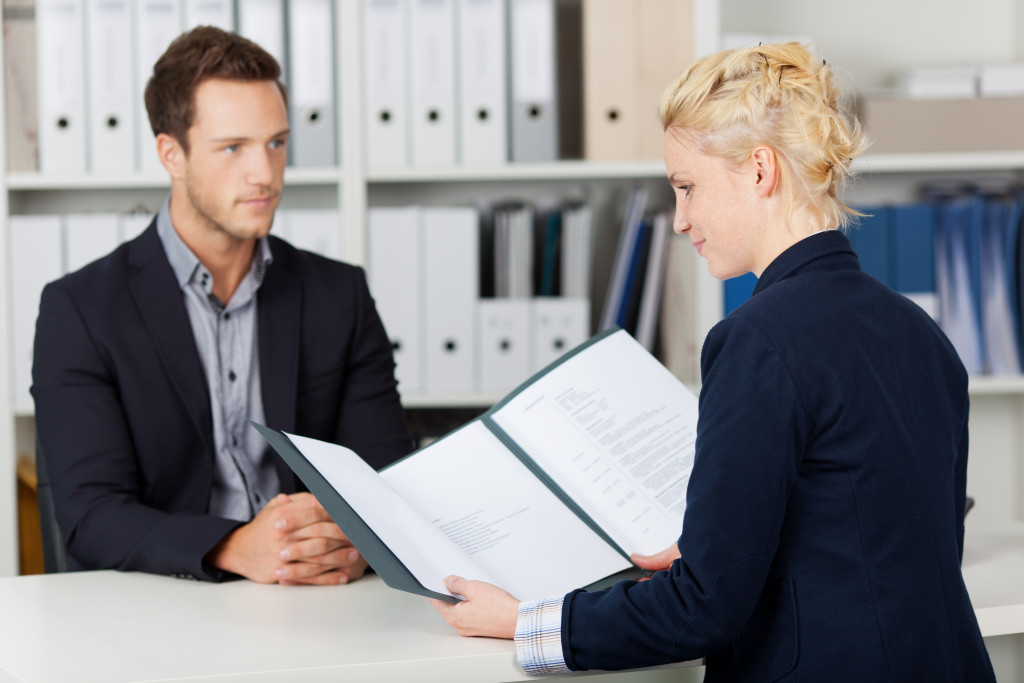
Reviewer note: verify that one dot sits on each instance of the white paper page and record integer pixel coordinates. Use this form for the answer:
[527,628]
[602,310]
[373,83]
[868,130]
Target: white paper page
[498,512]
[616,431]
[424,550]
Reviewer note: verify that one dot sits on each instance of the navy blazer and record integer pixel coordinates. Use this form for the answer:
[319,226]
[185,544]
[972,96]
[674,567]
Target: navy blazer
[123,409]
[823,531]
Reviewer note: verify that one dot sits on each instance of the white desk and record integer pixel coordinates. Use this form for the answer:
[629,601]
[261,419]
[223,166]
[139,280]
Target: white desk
[112,627]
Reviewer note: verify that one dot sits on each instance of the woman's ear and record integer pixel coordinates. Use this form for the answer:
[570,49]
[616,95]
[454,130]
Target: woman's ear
[766,170]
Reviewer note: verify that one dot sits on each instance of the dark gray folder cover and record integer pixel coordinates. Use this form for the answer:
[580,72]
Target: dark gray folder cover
[381,559]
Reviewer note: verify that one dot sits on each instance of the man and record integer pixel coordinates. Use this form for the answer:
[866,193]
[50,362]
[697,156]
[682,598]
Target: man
[149,362]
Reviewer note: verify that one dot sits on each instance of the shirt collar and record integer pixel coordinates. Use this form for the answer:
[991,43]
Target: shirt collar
[806,251]
[186,265]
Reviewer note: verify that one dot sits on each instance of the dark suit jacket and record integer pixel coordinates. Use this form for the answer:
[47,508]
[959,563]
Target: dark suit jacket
[123,409]
[823,532]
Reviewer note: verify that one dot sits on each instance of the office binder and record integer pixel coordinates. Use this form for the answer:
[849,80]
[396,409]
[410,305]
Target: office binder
[395,272]
[664,48]
[60,55]
[384,83]
[654,278]
[631,225]
[157,23]
[559,324]
[957,259]
[998,273]
[912,252]
[505,338]
[482,82]
[432,81]
[262,22]
[219,13]
[35,259]
[870,240]
[610,71]
[450,258]
[311,61]
[537,495]
[533,115]
[316,230]
[679,337]
[577,250]
[21,95]
[736,291]
[111,103]
[88,237]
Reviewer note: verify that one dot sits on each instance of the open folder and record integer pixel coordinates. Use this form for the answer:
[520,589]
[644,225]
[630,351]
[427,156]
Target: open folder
[551,489]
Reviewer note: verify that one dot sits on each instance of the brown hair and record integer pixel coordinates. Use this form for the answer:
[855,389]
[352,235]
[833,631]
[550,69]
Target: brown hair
[204,52]
[780,96]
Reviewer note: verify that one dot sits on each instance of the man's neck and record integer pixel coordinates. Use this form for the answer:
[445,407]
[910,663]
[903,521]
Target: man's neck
[227,258]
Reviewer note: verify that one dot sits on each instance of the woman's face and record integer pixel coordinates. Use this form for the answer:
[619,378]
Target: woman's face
[715,206]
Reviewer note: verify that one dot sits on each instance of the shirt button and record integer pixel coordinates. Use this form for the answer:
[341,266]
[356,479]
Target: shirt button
[227,316]
[231,375]
[234,441]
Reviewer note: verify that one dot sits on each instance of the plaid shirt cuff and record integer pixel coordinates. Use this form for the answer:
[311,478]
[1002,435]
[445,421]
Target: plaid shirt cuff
[539,636]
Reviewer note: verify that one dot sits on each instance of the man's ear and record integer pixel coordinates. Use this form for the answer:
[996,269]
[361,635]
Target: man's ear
[766,170]
[171,155]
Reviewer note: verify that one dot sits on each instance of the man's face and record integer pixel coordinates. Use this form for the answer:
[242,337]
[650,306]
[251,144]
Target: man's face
[234,171]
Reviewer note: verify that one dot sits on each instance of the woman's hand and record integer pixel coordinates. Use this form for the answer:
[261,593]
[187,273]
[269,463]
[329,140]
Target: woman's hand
[486,611]
[658,561]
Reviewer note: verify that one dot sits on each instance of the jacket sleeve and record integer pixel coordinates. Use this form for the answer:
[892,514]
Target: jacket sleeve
[749,437]
[92,463]
[371,420]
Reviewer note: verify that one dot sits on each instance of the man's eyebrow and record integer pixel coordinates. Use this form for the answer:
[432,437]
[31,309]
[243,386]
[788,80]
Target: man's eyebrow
[242,138]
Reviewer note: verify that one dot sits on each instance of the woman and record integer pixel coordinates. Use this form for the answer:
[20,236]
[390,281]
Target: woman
[824,519]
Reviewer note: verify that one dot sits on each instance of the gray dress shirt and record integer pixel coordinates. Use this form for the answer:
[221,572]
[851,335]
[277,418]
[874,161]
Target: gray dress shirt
[244,478]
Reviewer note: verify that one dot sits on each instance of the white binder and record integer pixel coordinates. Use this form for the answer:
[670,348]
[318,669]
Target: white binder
[311,62]
[482,80]
[60,55]
[131,225]
[432,91]
[316,230]
[35,260]
[394,273]
[533,109]
[384,83]
[89,236]
[111,96]
[450,259]
[157,23]
[262,22]
[219,13]
[559,324]
[505,340]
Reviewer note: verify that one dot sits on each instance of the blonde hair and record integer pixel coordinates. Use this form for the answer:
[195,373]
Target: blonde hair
[780,96]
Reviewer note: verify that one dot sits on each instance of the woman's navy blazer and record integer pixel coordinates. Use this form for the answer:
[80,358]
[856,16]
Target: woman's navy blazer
[824,527]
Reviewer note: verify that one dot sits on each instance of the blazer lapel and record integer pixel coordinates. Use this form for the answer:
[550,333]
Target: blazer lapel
[279,319]
[160,303]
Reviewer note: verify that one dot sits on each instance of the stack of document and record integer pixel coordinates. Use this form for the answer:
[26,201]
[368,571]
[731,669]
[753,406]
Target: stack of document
[940,83]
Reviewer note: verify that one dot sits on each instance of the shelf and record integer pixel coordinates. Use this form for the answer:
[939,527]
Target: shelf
[130,181]
[940,162]
[556,170]
[991,385]
[992,567]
